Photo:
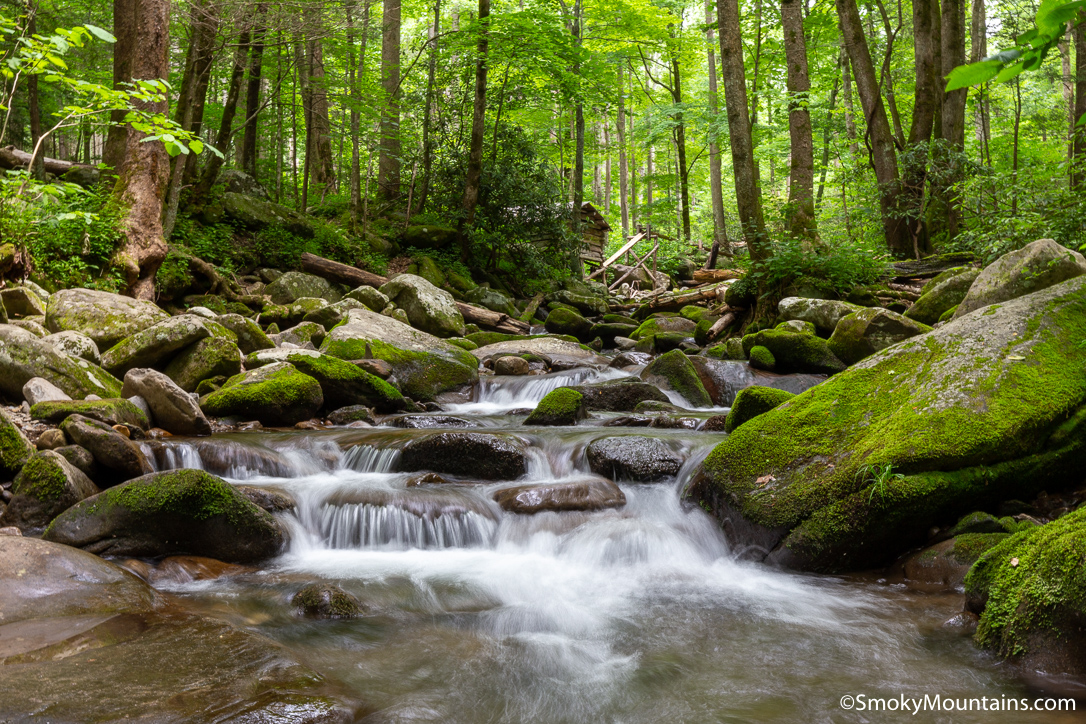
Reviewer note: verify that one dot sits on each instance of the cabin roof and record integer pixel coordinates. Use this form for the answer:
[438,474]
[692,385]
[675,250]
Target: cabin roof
[590,212]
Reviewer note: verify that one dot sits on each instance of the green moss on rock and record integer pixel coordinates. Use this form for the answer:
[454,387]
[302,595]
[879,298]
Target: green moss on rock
[275,395]
[15,449]
[762,359]
[117,411]
[674,371]
[563,406]
[753,401]
[795,352]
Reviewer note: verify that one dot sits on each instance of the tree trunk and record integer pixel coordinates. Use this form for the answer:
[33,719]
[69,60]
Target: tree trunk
[578,156]
[1078,174]
[623,164]
[748,195]
[141,186]
[357,70]
[478,129]
[850,116]
[319,154]
[841,61]
[953,118]
[716,187]
[680,146]
[801,214]
[978,50]
[388,163]
[879,137]
[1068,85]
[124,30]
[37,171]
[248,148]
[427,119]
[924,100]
[203,59]
[229,109]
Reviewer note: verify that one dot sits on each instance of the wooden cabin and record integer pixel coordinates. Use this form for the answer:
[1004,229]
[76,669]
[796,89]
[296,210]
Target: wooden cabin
[595,236]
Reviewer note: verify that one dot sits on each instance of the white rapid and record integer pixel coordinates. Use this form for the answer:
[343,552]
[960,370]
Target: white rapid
[637,614]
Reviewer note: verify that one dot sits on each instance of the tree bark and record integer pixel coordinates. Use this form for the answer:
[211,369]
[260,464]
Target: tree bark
[427,142]
[388,163]
[879,137]
[578,154]
[953,116]
[319,153]
[478,129]
[680,146]
[978,50]
[716,187]
[623,164]
[1078,174]
[222,139]
[247,150]
[141,186]
[748,195]
[124,30]
[34,106]
[801,213]
[841,61]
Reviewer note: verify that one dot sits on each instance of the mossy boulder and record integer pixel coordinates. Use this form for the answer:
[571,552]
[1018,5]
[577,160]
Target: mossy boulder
[1036,266]
[303,334]
[567,321]
[945,564]
[754,401]
[325,601]
[431,271]
[342,383]
[462,343]
[295,285]
[45,487]
[862,334]
[824,314]
[277,395]
[115,411]
[170,513]
[24,356]
[75,344]
[210,357]
[333,314]
[256,214]
[15,449]
[608,331]
[476,455]
[22,302]
[1030,592]
[151,346]
[585,300]
[106,318]
[621,395]
[429,308]
[423,365]
[118,458]
[482,339]
[762,359]
[563,406]
[660,325]
[942,293]
[428,236]
[352,413]
[370,297]
[795,351]
[492,299]
[250,337]
[856,469]
[674,371]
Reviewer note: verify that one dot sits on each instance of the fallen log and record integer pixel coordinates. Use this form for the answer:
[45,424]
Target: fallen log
[708,276]
[353,276]
[11,157]
[721,324]
[672,300]
[530,310]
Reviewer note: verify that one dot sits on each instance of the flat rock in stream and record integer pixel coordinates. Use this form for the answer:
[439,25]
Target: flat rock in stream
[483,456]
[633,457]
[560,354]
[577,495]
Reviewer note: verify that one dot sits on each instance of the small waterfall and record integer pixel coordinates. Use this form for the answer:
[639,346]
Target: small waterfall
[372,526]
[497,394]
[369,459]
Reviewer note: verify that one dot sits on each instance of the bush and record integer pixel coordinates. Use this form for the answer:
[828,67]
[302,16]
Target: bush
[835,269]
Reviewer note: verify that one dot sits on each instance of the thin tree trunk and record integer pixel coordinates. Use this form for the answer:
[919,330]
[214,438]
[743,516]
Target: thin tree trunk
[716,186]
[124,29]
[879,138]
[357,71]
[680,146]
[141,186]
[427,142]
[578,156]
[388,163]
[623,165]
[850,116]
[842,60]
[978,51]
[953,118]
[1068,85]
[37,171]
[801,177]
[1017,129]
[1078,174]
[478,129]
[247,150]
[319,156]
[222,139]
[204,59]
[925,110]
[747,192]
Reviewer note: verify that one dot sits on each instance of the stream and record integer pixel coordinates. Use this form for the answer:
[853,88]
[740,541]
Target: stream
[635,614]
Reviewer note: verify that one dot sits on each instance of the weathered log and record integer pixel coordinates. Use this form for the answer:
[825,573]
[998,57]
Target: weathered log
[352,276]
[11,157]
[671,300]
[530,310]
[708,276]
[721,324]
[931,266]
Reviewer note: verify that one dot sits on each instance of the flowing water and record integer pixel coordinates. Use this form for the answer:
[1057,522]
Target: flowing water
[638,614]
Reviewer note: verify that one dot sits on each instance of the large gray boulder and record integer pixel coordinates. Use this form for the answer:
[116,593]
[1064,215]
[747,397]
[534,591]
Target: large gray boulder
[15,449]
[296,285]
[476,455]
[120,458]
[430,309]
[944,292]
[75,344]
[1036,266]
[277,395]
[723,379]
[210,357]
[634,458]
[824,314]
[423,366]
[251,338]
[257,214]
[174,409]
[45,487]
[491,299]
[559,353]
[22,302]
[149,347]
[989,407]
[106,318]
[169,513]
[24,356]
[39,389]
[862,334]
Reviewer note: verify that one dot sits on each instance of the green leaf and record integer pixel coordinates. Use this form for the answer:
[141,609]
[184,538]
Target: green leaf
[972,74]
[100,34]
[1011,71]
